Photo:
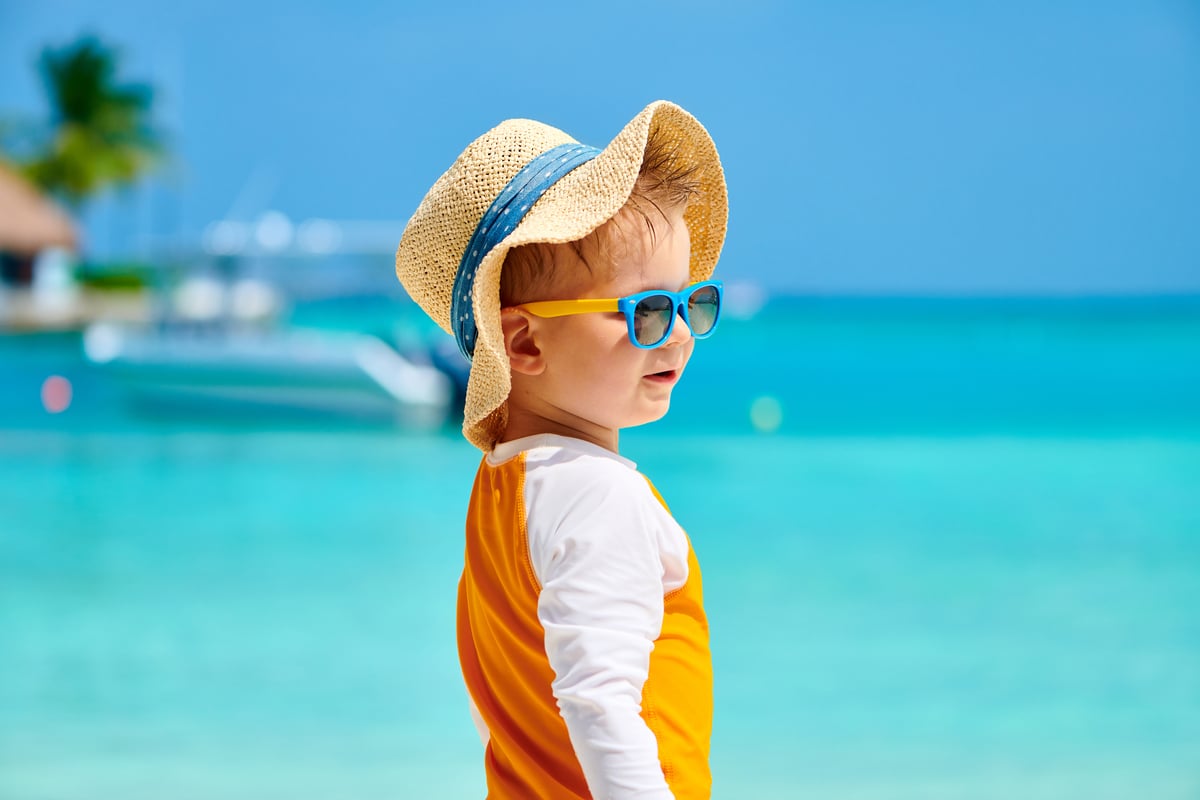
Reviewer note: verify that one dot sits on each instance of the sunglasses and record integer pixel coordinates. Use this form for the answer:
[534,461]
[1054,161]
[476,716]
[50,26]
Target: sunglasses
[649,315]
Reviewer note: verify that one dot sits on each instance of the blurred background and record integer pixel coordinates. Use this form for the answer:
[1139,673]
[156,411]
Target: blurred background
[941,464]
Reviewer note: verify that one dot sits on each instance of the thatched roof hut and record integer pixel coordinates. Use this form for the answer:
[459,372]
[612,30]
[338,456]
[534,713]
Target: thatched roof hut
[29,222]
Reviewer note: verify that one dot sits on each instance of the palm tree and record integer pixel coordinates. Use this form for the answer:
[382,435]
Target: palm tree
[101,134]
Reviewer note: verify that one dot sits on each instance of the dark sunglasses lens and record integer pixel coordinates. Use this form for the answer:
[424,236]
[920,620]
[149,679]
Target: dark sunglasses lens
[652,318]
[703,306]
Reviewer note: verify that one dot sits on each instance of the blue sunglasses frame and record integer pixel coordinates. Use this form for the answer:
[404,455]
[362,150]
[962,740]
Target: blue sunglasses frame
[628,306]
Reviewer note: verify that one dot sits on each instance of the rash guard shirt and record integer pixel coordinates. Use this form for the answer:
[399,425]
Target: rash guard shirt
[581,629]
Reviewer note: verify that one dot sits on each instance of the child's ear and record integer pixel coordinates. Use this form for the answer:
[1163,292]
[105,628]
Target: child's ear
[520,341]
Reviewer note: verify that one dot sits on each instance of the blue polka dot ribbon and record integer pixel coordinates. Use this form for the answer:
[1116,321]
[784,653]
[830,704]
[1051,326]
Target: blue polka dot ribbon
[501,219]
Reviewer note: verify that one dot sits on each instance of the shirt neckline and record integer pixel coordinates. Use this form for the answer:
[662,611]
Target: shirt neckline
[506,450]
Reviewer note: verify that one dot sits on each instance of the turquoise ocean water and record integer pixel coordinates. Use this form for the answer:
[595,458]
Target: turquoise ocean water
[965,565]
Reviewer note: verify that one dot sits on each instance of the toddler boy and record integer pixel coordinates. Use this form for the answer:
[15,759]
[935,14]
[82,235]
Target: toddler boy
[576,280]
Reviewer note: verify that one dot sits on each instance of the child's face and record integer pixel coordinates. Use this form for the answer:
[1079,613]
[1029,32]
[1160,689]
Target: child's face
[595,381]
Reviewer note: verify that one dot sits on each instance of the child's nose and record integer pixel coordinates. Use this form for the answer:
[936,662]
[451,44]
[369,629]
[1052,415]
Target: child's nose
[680,332]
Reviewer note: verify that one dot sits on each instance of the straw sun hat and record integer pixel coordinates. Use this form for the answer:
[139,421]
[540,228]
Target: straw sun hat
[524,182]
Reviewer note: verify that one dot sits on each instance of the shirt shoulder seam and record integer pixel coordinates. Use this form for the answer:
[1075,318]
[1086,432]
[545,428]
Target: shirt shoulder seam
[523,527]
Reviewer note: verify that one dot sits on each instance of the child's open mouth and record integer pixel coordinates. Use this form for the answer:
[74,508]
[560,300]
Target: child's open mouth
[666,376]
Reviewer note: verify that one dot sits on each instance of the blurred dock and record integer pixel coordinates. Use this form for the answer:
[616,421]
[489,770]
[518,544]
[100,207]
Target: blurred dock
[28,310]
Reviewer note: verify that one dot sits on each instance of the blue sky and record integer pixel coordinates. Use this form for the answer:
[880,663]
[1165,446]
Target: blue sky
[870,147]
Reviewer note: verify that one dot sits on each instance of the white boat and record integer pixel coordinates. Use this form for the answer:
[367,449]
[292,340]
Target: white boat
[253,370]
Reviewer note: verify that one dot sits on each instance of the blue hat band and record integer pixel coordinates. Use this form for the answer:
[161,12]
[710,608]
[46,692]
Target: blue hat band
[501,219]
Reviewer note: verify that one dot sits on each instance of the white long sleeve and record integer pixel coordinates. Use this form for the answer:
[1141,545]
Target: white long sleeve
[605,553]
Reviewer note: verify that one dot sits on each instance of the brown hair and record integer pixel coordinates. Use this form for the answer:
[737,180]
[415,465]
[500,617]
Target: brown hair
[664,183]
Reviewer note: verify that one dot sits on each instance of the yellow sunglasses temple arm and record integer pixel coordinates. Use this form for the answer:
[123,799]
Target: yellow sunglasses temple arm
[563,308]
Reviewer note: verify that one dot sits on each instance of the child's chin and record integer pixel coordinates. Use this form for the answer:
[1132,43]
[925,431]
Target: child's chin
[651,415]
